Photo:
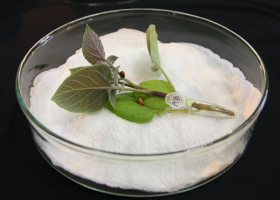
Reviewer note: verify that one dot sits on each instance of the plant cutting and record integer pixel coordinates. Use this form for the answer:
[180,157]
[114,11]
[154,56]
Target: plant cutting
[90,88]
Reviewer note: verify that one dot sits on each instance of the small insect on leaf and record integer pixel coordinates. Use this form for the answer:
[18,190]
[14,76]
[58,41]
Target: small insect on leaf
[127,108]
[140,100]
[122,74]
[154,101]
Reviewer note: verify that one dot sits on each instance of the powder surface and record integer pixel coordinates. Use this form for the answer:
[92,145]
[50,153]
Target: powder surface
[194,70]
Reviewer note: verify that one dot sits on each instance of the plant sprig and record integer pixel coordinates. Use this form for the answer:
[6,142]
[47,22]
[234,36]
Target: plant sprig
[152,43]
[90,88]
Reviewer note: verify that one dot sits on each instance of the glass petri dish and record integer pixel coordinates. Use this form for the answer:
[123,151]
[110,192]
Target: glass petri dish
[52,51]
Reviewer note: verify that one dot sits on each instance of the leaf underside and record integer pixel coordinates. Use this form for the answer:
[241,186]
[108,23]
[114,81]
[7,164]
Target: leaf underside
[92,47]
[127,108]
[111,59]
[152,43]
[76,93]
[154,101]
[112,97]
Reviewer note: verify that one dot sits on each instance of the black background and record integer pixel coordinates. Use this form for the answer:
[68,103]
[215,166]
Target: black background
[24,174]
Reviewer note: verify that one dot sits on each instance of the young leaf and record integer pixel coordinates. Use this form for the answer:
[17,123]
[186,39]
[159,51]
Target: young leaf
[153,44]
[154,101]
[73,70]
[127,108]
[112,97]
[79,92]
[112,59]
[92,47]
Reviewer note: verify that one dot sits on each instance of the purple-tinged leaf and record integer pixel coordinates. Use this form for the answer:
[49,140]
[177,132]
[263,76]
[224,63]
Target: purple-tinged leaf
[92,47]
[111,59]
[83,91]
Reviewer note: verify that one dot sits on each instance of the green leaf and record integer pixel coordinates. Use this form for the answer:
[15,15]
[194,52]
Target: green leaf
[112,59]
[153,101]
[80,92]
[127,108]
[73,70]
[92,47]
[152,43]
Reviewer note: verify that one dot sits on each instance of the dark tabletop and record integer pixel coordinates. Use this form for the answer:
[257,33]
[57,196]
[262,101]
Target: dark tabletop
[26,175]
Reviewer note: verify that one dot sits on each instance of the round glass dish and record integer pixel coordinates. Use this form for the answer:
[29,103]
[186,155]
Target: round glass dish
[52,51]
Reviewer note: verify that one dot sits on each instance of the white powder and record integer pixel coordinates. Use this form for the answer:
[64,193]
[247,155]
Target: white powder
[194,71]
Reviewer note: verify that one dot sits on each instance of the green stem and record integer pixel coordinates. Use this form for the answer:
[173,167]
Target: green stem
[125,79]
[110,64]
[169,81]
[207,107]
[133,85]
[176,111]
[129,89]
[126,84]
[214,108]
[146,91]
[181,111]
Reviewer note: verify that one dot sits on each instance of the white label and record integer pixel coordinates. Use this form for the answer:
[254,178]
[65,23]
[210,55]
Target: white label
[175,100]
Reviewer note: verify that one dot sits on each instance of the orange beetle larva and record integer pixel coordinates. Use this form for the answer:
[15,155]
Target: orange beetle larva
[122,74]
[140,100]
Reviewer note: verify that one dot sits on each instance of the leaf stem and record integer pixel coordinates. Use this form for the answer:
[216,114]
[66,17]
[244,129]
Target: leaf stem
[181,111]
[125,79]
[146,91]
[169,81]
[133,85]
[207,107]
[126,84]
[110,64]
[131,89]
[215,108]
